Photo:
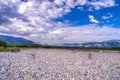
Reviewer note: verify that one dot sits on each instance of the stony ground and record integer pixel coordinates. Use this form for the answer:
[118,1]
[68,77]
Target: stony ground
[59,64]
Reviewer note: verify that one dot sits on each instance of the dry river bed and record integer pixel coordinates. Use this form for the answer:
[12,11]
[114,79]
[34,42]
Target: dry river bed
[59,64]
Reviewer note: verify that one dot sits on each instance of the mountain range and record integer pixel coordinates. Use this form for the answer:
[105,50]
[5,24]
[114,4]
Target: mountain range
[15,40]
[22,41]
[103,44]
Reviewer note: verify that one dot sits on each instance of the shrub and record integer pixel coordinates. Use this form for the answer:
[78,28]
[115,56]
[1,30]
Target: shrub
[33,56]
[1,49]
[14,49]
[90,56]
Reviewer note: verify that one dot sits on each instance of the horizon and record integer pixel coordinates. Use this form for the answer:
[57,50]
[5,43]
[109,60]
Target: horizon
[61,21]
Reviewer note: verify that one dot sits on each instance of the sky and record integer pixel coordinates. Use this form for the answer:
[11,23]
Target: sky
[61,21]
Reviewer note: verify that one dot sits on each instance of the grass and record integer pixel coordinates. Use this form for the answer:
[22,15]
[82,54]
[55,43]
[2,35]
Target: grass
[9,49]
[2,49]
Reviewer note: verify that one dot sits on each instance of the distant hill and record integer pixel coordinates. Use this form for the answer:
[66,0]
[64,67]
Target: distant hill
[15,40]
[103,44]
[22,41]
[109,43]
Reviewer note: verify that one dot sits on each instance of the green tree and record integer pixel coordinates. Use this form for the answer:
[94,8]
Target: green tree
[3,44]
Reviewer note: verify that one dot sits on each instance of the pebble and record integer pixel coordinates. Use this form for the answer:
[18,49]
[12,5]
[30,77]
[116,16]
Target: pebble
[59,64]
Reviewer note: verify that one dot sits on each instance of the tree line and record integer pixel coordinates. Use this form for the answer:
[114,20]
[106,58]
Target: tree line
[3,44]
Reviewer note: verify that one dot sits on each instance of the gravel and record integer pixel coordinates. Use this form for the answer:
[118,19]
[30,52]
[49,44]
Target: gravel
[59,64]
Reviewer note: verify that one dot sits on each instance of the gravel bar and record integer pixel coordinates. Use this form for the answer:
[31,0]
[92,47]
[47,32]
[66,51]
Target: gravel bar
[59,64]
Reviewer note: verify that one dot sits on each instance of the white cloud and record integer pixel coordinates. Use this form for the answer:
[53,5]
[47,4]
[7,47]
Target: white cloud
[92,19]
[24,5]
[56,31]
[108,16]
[81,2]
[78,34]
[34,20]
[59,2]
[102,3]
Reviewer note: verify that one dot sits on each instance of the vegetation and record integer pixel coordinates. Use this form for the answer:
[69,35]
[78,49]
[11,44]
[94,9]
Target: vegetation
[3,44]
[90,56]
[33,56]
[31,46]
[61,47]
[15,47]
[4,47]
[90,48]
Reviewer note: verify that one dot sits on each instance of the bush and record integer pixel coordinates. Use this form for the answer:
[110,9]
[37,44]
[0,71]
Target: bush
[13,49]
[9,49]
[90,56]
[2,49]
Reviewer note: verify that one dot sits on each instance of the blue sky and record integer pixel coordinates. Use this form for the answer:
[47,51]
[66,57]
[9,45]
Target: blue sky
[77,17]
[61,21]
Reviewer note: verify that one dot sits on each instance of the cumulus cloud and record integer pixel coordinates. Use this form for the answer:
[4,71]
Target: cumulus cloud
[33,19]
[92,19]
[108,16]
[102,3]
[78,34]
[24,5]
[81,2]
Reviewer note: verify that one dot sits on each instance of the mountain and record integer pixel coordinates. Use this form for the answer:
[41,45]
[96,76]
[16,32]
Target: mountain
[103,44]
[15,40]
[22,41]
[109,43]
